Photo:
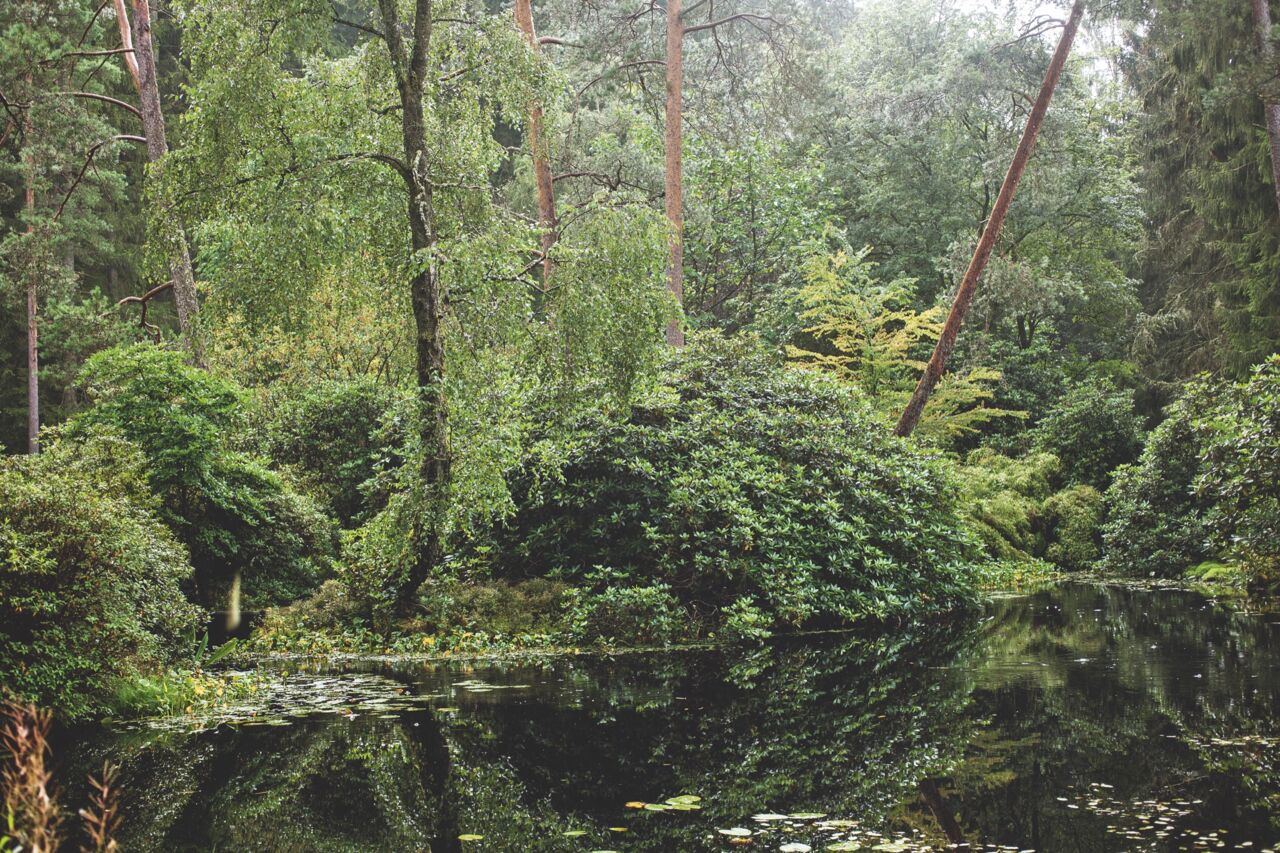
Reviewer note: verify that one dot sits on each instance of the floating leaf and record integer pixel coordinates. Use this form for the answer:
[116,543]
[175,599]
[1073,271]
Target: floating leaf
[617,829]
[636,804]
[764,818]
[470,837]
[656,807]
[844,847]
[795,847]
[809,815]
[574,833]
[736,832]
[685,800]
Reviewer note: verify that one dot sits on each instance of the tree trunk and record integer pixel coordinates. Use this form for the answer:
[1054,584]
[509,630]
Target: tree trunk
[33,342]
[426,295]
[672,183]
[1262,22]
[538,152]
[991,234]
[142,67]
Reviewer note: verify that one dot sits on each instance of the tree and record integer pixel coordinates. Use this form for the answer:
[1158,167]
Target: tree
[538,152]
[140,58]
[1267,50]
[991,233]
[47,121]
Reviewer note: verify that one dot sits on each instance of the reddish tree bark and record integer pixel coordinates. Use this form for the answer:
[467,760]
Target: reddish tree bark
[673,189]
[538,153]
[33,342]
[1262,23]
[141,63]
[991,234]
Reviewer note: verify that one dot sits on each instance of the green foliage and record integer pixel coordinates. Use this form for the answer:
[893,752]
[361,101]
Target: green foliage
[1156,518]
[625,615]
[741,478]
[864,332]
[89,577]
[336,437]
[1020,519]
[1003,498]
[1071,518]
[1241,461]
[233,514]
[1092,430]
[1204,488]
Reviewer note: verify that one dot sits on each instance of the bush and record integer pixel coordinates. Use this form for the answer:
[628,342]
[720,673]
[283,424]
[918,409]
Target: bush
[1071,519]
[1157,521]
[1020,519]
[1241,472]
[232,513]
[741,478]
[1003,500]
[336,437]
[1093,430]
[89,576]
[633,616]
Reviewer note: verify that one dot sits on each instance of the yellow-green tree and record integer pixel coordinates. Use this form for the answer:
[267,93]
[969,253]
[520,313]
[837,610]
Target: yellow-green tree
[864,331]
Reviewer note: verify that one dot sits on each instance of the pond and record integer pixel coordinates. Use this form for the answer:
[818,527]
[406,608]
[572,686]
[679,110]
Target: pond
[1080,718]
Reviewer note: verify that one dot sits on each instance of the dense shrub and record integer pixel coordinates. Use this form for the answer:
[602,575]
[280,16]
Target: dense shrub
[1157,520]
[336,437]
[233,514]
[1241,473]
[1003,500]
[1015,512]
[89,576]
[1093,429]
[1071,521]
[741,478]
[626,615]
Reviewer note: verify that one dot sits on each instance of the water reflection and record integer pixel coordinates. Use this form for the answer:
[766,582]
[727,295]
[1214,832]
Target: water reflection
[1079,718]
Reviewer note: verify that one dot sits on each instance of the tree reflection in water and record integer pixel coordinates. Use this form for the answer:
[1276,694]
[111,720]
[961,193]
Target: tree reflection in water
[1078,718]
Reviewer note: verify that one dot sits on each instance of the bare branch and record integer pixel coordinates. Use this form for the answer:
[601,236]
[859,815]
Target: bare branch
[373,31]
[145,300]
[88,160]
[93,96]
[742,16]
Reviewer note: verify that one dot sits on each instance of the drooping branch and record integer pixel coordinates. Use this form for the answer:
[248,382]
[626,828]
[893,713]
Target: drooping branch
[88,160]
[741,16]
[991,233]
[94,96]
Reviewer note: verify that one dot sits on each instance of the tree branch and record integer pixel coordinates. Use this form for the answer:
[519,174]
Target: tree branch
[144,300]
[742,16]
[93,96]
[93,150]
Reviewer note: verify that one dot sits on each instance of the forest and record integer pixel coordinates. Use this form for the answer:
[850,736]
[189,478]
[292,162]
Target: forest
[340,337]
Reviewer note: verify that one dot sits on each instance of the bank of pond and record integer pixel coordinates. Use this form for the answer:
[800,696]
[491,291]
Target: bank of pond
[1076,717]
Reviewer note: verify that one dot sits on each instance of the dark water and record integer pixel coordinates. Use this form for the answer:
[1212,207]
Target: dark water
[1078,719]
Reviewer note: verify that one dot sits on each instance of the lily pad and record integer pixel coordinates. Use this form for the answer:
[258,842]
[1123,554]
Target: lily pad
[470,837]
[735,832]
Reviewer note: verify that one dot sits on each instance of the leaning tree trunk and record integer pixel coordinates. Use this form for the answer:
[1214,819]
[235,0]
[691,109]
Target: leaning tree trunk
[1262,23]
[991,234]
[142,67]
[538,152]
[409,65]
[672,186]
